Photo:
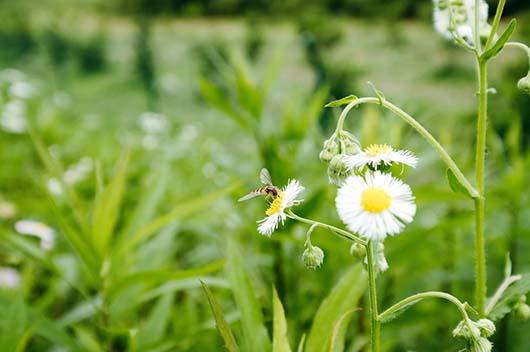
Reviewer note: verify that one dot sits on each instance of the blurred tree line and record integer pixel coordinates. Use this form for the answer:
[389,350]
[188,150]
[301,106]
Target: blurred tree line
[359,8]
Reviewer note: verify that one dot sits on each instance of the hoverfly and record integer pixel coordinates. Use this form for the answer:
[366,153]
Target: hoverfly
[269,189]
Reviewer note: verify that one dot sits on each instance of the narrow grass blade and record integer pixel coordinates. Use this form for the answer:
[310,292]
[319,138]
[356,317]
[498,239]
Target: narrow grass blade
[152,332]
[182,209]
[280,342]
[107,207]
[255,334]
[220,321]
[342,298]
[159,276]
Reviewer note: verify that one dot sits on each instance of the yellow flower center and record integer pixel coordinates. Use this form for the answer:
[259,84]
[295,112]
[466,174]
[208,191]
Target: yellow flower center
[275,205]
[376,149]
[375,200]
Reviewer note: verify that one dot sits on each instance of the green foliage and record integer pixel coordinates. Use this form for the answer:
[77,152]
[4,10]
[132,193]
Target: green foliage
[510,297]
[220,321]
[280,342]
[341,300]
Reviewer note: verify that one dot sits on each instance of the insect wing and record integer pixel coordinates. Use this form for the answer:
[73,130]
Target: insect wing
[265,177]
[251,195]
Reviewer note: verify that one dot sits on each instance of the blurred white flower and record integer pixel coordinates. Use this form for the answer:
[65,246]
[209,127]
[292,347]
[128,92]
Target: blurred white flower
[13,117]
[153,123]
[375,206]
[62,99]
[380,155]
[78,171]
[55,187]
[9,278]
[37,229]
[457,18]
[21,90]
[286,198]
[7,209]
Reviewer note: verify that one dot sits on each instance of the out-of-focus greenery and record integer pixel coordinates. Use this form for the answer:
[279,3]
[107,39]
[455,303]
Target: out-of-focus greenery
[176,118]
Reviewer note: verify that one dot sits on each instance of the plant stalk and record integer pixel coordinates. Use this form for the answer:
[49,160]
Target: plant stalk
[480,155]
[375,325]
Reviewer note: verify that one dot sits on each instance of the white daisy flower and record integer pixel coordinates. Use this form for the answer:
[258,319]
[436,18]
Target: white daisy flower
[286,198]
[375,206]
[37,229]
[381,155]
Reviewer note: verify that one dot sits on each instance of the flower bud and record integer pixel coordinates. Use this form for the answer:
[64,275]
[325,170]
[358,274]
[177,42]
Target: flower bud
[350,143]
[486,327]
[467,329]
[522,310]
[329,150]
[313,257]
[338,169]
[524,84]
[358,250]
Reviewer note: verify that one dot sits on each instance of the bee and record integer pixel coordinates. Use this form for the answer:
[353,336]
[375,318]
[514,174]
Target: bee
[269,189]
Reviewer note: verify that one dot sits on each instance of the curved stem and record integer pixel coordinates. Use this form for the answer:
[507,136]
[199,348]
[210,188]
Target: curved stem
[521,46]
[375,324]
[480,155]
[495,24]
[419,128]
[336,230]
[432,294]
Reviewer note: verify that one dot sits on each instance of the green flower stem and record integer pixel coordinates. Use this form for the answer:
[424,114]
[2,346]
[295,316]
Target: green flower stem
[521,46]
[375,324]
[480,153]
[419,296]
[495,24]
[419,128]
[336,230]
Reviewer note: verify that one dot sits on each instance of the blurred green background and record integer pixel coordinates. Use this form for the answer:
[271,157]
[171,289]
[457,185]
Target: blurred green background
[130,128]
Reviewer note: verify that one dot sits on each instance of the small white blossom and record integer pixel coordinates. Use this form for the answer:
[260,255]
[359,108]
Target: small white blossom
[9,278]
[13,117]
[37,229]
[376,205]
[153,123]
[380,155]
[285,199]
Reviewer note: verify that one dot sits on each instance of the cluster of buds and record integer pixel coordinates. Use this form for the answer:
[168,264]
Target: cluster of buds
[313,256]
[335,151]
[359,251]
[476,334]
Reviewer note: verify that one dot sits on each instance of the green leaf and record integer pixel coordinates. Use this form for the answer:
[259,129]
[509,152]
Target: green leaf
[339,330]
[343,101]
[510,297]
[107,207]
[218,99]
[499,44]
[222,325]
[255,335]
[455,185]
[152,332]
[342,298]
[280,342]
[159,276]
[301,344]
[182,209]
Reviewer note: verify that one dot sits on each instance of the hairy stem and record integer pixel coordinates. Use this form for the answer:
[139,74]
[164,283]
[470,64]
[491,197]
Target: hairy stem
[419,296]
[339,232]
[480,154]
[375,325]
[419,128]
